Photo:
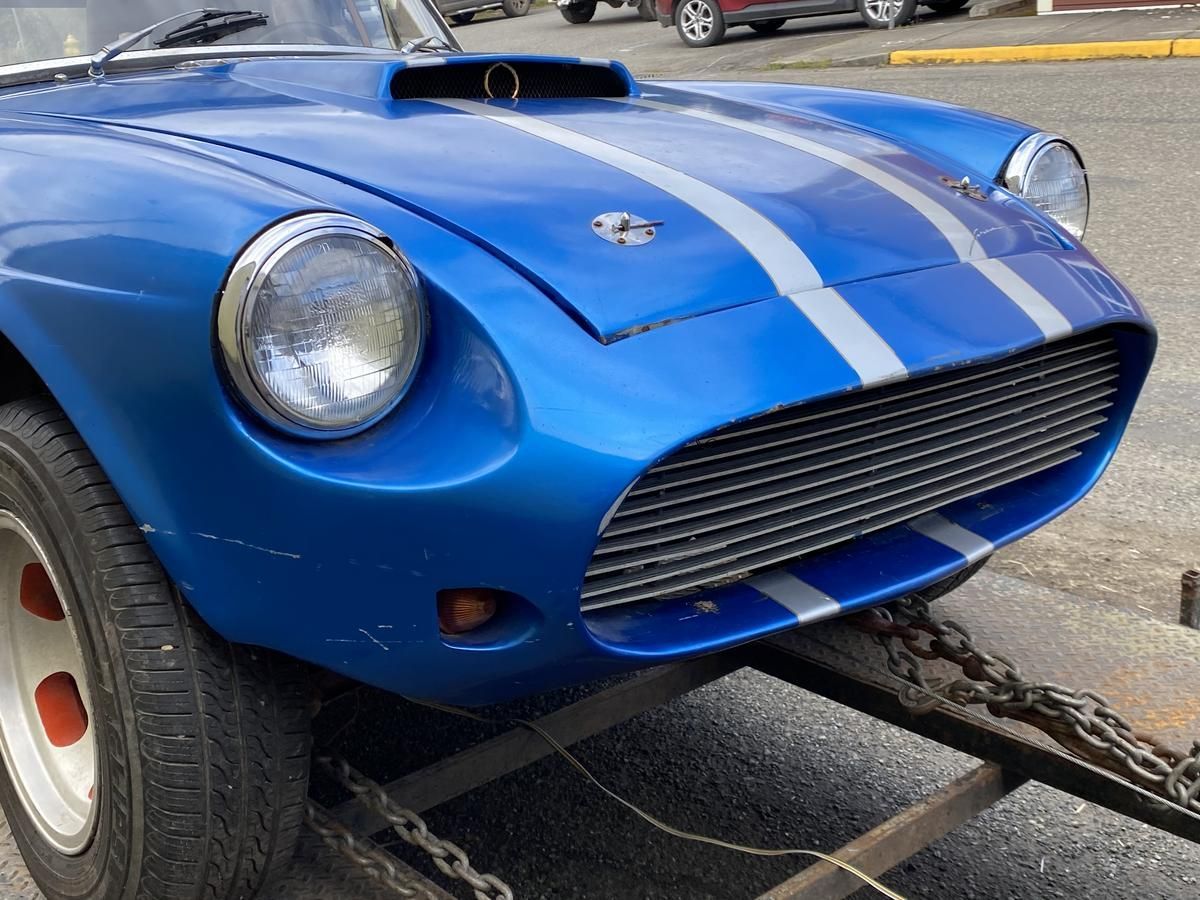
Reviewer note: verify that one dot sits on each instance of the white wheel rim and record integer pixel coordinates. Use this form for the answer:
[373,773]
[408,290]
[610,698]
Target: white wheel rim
[46,723]
[883,10]
[696,20]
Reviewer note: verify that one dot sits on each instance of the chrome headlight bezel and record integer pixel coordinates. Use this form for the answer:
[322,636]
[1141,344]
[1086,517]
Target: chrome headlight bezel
[237,300]
[1023,160]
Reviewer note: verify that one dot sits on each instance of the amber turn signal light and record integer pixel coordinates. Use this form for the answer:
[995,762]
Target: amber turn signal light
[464,609]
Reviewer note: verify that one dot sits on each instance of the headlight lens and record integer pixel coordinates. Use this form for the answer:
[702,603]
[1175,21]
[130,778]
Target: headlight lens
[1048,172]
[322,325]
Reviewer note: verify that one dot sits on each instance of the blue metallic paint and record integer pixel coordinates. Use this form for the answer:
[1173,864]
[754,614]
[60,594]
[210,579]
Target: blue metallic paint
[523,428]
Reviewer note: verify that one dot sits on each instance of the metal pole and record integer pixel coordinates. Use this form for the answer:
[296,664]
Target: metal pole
[1189,599]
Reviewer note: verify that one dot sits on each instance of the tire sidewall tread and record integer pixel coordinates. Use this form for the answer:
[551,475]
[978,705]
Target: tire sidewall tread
[174,705]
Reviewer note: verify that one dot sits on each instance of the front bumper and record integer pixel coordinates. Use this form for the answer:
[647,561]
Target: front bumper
[520,436]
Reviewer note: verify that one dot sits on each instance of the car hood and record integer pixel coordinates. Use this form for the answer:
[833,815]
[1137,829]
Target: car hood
[753,203]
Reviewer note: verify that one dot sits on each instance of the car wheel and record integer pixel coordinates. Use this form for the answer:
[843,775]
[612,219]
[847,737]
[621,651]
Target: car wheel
[514,9]
[647,11]
[946,6]
[700,23]
[887,13]
[140,754]
[462,18]
[578,13]
[766,26]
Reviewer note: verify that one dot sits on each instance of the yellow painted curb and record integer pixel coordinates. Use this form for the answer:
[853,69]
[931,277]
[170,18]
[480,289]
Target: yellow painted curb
[1186,47]
[1048,52]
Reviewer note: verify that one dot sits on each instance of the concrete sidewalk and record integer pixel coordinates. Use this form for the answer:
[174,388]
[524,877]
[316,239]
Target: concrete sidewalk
[869,48]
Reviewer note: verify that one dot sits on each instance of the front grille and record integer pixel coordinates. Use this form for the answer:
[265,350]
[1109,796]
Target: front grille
[770,489]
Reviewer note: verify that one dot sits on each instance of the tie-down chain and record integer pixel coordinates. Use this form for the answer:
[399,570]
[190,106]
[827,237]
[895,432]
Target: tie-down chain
[1082,721]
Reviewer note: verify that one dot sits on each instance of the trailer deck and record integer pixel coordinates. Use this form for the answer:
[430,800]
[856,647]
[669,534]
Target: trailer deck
[1149,671]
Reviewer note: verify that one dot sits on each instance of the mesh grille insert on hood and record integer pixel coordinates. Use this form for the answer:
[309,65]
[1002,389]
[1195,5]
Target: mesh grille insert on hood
[534,80]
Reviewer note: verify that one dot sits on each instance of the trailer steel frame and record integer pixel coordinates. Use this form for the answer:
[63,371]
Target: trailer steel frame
[1060,637]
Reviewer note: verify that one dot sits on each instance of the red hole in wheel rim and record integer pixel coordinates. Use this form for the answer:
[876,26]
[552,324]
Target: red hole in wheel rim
[38,595]
[61,707]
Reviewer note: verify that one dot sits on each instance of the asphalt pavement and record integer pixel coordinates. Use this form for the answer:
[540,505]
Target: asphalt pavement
[752,760]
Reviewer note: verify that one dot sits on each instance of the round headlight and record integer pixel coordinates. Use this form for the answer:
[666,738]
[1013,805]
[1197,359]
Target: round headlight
[322,324]
[1048,172]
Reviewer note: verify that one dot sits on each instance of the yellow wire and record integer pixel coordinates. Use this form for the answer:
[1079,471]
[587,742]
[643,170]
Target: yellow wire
[658,823]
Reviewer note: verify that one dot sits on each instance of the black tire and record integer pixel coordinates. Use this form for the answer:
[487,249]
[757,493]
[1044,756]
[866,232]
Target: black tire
[700,23]
[902,12]
[578,13]
[462,18]
[202,746]
[767,26]
[647,11]
[943,7]
[514,9]
[946,585]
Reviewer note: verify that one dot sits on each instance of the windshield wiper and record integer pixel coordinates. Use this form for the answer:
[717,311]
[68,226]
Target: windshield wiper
[430,42]
[212,26]
[198,19]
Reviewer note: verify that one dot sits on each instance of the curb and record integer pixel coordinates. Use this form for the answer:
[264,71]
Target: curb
[1158,49]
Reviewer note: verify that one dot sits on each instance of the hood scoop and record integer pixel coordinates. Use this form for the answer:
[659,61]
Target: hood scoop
[486,77]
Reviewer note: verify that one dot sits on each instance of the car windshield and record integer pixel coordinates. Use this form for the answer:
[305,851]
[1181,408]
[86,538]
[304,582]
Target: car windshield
[32,30]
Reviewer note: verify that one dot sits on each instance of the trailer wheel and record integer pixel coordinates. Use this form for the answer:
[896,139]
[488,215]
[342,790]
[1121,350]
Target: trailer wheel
[950,583]
[140,754]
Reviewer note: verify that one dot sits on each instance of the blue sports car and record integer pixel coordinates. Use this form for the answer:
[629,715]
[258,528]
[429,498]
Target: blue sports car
[328,346]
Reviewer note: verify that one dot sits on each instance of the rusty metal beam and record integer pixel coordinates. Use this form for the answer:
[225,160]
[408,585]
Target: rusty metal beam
[476,766]
[1189,599]
[1029,758]
[889,844]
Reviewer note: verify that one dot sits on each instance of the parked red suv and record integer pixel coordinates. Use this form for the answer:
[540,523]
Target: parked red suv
[702,23]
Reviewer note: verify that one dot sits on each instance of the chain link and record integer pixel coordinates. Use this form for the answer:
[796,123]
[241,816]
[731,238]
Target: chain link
[450,859]
[376,863]
[1082,721]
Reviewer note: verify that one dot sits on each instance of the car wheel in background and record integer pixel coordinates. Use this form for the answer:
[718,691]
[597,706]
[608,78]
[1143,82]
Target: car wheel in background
[766,26]
[700,23]
[578,13]
[141,755]
[647,11]
[886,13]
[516,8]
[946,6]
[462,18]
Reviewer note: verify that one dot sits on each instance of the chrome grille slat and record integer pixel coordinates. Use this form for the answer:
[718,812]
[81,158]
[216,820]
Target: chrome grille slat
[713,516]
[769,490]
[721,461]
[750,565]
[689,488]
[784,418]
[828,505]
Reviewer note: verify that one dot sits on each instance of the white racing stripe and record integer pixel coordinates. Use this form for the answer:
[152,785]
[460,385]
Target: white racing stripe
[800,598]
[1044,313]
[957,234]
[784,262]
[858,343]
[939,528]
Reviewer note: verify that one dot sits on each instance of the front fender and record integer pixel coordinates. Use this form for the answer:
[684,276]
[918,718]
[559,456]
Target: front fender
[978,143]
[112,248]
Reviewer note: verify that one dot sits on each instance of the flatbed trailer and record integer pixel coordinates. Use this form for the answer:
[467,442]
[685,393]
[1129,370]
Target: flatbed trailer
[1148,671]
